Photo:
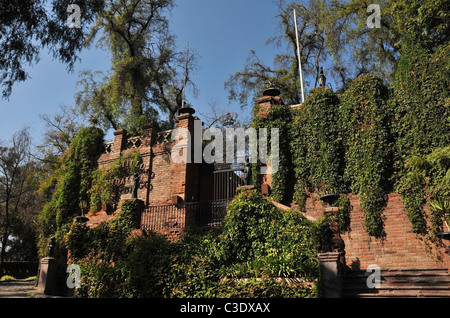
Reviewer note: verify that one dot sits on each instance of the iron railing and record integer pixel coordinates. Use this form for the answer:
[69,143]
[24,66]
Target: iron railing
[161,217]
[166,218]
[209,213]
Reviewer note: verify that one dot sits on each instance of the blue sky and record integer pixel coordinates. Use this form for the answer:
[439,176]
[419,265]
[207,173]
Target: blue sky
[221,32]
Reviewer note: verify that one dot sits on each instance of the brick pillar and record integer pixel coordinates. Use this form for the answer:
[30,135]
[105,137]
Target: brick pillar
[147,135]
[271,96]
[185,175]
[120,139]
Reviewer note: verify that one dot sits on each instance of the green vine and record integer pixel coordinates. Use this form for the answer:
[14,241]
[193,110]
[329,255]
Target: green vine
[279,116]
[317,152]
[364,119]
[421,105]
[427,183]
[104,189]
[70,186]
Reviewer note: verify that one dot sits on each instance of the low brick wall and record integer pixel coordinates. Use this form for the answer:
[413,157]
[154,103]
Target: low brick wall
[399,248]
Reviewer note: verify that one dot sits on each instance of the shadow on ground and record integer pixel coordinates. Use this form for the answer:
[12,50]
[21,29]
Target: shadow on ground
[17,289]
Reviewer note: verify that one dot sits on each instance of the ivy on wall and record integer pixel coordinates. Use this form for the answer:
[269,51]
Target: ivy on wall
[316,145]
[364,119]
[279,116]
[421,105]
[427,182]
[364,141]
[104,189]
[70,185]
[421,100]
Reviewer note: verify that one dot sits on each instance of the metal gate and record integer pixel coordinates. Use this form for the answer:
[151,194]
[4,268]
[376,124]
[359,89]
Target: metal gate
[220,184]
[226,182]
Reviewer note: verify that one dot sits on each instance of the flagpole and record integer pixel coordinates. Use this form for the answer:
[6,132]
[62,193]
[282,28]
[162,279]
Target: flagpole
[185,77]
[299,58]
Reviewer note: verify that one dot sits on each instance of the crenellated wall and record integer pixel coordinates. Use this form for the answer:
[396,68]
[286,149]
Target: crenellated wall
[162,179]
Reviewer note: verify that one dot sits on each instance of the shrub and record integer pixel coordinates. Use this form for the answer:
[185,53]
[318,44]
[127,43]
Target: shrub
[263,240]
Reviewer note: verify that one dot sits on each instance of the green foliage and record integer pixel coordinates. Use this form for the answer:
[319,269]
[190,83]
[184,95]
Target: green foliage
[317,152]
[421,100]
[113,262]
[262,239]
[108,240]
[141,272]
[365,120]
[146,75]
[427,182]
[421,106]
[264,288]
[28,26]
[340,220]
[71,182]
[194,275]
[246,226]
[116,264]
[77,239]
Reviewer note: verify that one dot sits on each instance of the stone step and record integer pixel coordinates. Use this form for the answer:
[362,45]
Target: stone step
[396,272]
[402,294]
[404,286]
[399,283]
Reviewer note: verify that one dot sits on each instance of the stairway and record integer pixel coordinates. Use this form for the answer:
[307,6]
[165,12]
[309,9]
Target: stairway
[410,283]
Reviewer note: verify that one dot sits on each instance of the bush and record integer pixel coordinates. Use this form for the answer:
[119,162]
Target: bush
[264,288]
[260,239]
[274,243]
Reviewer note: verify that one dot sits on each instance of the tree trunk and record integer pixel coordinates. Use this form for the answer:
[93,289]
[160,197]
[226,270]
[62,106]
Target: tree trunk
[3,252]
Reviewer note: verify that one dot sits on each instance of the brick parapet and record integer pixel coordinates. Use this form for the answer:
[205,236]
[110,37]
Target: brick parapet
[399,248]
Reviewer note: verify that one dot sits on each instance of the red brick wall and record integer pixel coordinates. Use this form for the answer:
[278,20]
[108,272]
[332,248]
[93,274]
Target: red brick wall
[163,178]
[400,248]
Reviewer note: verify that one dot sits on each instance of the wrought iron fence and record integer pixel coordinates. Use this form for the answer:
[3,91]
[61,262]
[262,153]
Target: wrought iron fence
[209,213]
[161,217]
[166,218]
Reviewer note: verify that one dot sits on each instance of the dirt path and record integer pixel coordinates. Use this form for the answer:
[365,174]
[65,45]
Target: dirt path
[17,289]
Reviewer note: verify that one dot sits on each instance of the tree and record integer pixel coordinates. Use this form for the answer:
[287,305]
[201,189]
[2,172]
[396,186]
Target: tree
[377,50]
[61,129]
[312,26]
[29,26]
[144,76]
[16,185]
[336,32]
